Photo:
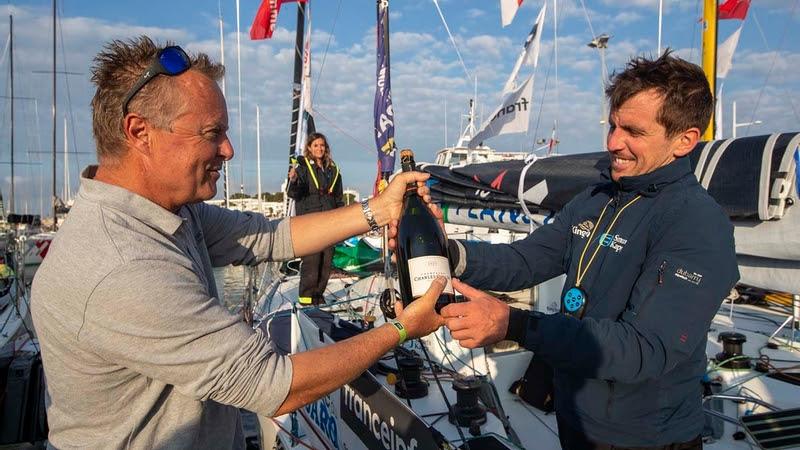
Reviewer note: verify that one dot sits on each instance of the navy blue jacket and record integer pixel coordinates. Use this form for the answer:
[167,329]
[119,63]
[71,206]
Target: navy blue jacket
[629,372]
[321,191]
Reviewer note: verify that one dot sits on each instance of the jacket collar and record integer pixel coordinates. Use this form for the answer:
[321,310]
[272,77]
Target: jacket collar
[651,183]
[109,195]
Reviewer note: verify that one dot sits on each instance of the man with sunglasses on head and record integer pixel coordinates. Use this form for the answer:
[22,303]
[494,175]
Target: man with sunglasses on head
[138,351]
[648,257]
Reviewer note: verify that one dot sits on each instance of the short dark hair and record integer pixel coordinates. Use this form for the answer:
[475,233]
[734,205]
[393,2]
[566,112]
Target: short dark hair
[686,98]
[116,68]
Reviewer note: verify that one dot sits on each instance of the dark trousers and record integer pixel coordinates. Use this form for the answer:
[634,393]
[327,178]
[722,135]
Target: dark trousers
[572,439]
[314,274]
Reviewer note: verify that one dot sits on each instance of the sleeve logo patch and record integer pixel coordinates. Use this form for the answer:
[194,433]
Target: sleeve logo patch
[692,277]
[583,229]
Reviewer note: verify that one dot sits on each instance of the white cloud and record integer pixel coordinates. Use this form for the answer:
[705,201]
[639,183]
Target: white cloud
[485,46]
[629,3]
[474,13]
[627,17]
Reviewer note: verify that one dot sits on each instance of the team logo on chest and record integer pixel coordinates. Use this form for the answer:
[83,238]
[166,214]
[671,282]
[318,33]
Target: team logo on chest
[613,241]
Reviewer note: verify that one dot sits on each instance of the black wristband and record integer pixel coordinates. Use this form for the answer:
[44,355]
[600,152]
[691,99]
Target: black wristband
[454,254]
[517,325]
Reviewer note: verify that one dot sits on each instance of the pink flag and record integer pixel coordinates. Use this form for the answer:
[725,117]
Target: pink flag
[733,9]
[508,9]
[266,17]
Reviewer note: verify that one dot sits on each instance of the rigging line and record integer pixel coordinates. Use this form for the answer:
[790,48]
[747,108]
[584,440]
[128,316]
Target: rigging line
[5,50]
[694,30]
[441,390]
[69,96]
[552,65]
[464,66]
[588,20]
[536,416]
[325,54]
[591,28]
[447,353]
[353,138]
[772,65]
[541,103]
[766,46]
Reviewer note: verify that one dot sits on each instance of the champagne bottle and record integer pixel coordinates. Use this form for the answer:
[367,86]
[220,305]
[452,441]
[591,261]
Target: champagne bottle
[421,246]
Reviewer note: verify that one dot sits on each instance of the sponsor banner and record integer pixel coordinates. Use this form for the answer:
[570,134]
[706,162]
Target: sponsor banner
[381,420]
[512,116]
[506,219]
[384,115]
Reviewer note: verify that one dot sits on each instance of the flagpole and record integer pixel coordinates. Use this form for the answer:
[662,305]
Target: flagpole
[710,56]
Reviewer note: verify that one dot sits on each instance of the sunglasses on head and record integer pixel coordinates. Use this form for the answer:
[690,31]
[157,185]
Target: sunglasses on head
[169,61]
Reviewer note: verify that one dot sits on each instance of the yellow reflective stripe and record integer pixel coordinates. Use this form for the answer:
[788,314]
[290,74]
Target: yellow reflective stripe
[311,171]
[335,177]
[305,300]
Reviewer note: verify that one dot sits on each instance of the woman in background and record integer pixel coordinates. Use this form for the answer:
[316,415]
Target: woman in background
[315,185]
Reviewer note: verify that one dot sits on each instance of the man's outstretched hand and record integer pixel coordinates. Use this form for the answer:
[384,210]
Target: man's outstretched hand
[419,318]
[481,320]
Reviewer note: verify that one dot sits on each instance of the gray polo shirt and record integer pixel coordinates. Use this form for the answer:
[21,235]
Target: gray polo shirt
[138,350]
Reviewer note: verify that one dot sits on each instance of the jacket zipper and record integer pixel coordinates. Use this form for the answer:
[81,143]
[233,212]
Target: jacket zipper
[659,282]
[661,272]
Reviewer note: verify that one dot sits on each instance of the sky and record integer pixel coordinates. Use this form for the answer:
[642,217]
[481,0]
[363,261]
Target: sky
[431,88]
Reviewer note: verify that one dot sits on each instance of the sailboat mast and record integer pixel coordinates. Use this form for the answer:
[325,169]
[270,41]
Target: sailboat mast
[710,56]
[239,99]
[55,131]
[11,59]
[553,138]
[66,165]
[660,20]
[225,175]
[258,160]
[298,77]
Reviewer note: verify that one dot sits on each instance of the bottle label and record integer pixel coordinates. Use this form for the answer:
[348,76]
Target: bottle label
[422,270]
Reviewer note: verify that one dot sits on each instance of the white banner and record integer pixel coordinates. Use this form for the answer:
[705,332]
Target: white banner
[530,52]
[512,116]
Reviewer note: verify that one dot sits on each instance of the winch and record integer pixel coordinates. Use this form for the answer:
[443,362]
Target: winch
[732,356]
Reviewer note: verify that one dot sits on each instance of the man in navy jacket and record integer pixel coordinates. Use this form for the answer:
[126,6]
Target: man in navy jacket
[648,258]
